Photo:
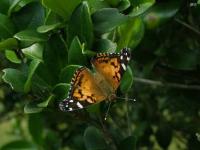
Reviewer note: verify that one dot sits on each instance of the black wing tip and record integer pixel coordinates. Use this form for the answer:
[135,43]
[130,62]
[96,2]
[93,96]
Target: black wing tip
[70,105]
[62,106]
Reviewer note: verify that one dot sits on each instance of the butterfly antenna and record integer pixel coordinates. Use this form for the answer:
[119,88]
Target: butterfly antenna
[127,99]
[105,118]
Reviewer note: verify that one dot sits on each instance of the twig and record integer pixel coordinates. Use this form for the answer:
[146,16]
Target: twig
[188,26]
[127,115]
[167,84]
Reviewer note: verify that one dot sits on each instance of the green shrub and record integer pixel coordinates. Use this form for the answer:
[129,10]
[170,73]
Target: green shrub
[41,43]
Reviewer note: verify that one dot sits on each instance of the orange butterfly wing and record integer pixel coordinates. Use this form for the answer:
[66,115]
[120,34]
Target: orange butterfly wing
[84,91]
[112,66]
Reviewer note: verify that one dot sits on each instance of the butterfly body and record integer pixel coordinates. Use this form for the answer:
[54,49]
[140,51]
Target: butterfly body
[88,88]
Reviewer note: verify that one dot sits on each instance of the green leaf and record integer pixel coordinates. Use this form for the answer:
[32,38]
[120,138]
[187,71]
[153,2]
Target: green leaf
[113,3]
[131,33]
[127,80]
[61,90]
[32,67]
[10,43]
[140,6]
[96,5]
[7,28]
[105,45]
[55,58]
[160,13]
[128,143]
[15,78]
[32,107]
[4,6]
[35,51]
[30,16]
[67,73]
[11,55]
[36,128]
[80,25]
[62,7]
[46,102]
[94,140]
[106,19]
[30,36]
[18,144]
[124,4]
[47,28]
[75,53]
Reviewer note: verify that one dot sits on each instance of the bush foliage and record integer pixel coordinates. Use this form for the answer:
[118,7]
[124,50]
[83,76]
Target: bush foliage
[42,42]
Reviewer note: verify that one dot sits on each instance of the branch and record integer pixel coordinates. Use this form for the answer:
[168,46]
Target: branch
[167,84]
[187,26]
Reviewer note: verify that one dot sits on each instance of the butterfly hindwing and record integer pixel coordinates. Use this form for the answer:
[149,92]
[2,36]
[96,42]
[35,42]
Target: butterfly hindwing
[83,92]
[112,66]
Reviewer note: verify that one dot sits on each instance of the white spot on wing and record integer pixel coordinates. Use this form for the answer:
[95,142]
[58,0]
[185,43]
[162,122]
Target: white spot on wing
[70,109]
[71,101]
[121,57]
[79,105]
[128,58]
[123,66]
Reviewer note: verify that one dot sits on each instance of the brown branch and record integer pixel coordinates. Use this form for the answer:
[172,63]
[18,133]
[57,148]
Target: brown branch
[166,84]
[187,26]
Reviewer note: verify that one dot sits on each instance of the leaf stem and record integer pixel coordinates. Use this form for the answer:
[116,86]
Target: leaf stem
[187,26]
[166,84]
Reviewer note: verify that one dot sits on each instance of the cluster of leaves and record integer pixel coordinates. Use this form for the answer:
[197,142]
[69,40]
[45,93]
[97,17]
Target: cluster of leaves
[43,42]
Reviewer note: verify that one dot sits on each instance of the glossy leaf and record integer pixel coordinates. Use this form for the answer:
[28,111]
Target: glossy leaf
[96,5]
[47,28]
[10,43]
[80,25]
[67,73]
[35,126]
[61,90]
[55,58]
[105,45]
[124,4]
[75,53]
[7,28]
[32,107]
[4,6]
[32,68]
[62,7]
[46,102]
[131,33]
[15,78]
[30,36]
[127,81]
[29,17]
[140,6]
[35,51]
[11,55]
[93,139]
[106,19]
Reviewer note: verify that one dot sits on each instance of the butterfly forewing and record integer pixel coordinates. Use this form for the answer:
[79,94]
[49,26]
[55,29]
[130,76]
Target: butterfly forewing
[84,91]
[112,66]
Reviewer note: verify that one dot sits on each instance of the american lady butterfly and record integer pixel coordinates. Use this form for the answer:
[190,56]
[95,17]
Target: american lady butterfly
[88,88]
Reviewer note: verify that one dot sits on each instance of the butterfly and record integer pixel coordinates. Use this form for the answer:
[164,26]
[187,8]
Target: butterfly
[88,88]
